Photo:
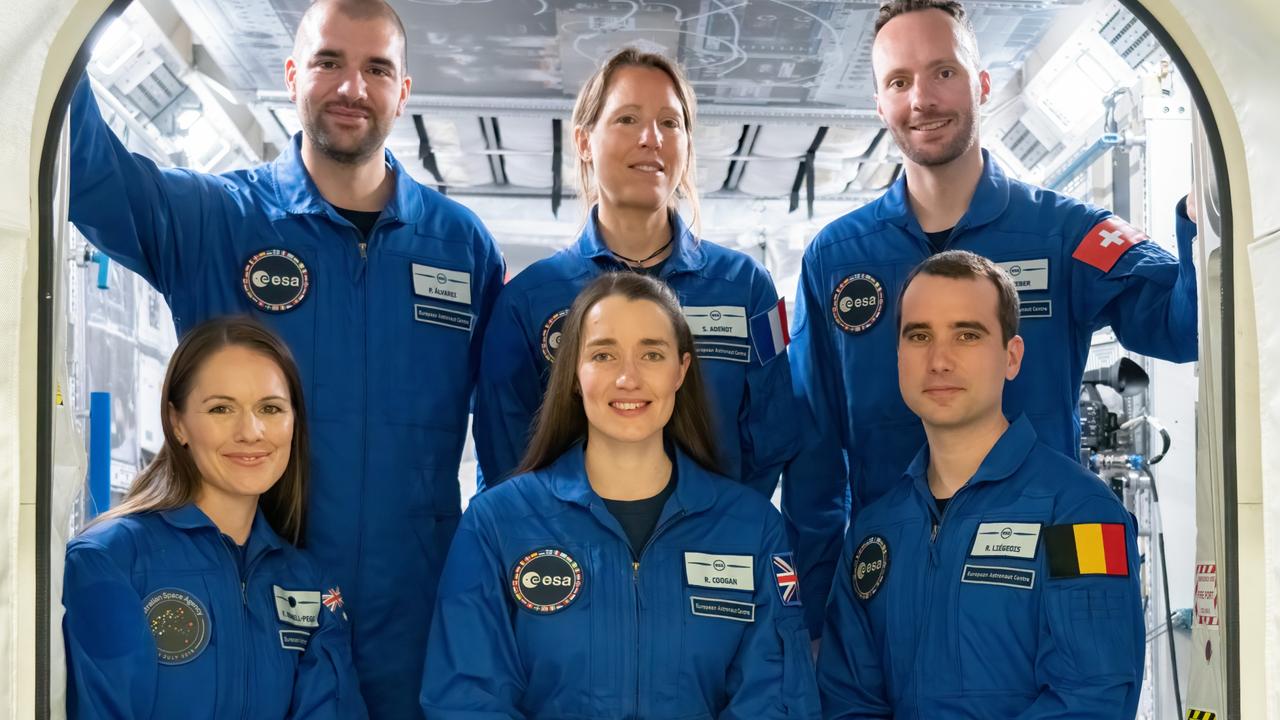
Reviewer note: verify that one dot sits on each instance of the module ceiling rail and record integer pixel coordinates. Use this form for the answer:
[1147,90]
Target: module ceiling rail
[563,107]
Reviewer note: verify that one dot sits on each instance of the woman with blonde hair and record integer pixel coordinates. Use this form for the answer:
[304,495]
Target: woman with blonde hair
[190,599]
[633,126]
[618,575]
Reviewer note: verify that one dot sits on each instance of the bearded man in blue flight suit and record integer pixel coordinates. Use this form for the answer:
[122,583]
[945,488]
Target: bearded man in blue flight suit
[997,578]
[380,286]
[1078,268]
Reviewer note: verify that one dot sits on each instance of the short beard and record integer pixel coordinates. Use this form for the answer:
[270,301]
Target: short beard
[964,140]
[320,140]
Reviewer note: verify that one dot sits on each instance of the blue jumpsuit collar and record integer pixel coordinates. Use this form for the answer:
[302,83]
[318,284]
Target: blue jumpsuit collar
[567,477]
[686,253]
[990,199]
[262,538]
[298,194]
[1002,461]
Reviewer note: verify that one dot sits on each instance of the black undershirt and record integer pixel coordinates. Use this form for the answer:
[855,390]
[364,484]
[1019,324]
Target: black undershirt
[364,220]
[938,240]
[638,518]
[942,504]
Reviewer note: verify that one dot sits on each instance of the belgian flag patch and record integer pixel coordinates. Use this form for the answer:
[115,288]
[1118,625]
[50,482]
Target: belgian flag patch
[1086,549]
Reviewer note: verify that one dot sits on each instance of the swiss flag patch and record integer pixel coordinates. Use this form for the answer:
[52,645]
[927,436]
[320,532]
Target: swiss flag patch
[1106,242]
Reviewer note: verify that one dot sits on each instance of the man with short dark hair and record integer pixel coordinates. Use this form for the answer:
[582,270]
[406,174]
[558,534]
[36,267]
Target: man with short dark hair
[997,578]
[1078,268]
[380,286]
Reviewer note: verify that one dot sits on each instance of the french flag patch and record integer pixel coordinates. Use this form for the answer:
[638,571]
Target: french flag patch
[769,332]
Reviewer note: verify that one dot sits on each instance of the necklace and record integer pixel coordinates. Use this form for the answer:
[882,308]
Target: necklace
[639,264]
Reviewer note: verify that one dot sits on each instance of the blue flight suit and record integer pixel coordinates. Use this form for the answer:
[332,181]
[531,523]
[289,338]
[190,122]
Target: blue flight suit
[844,352]
[544,611]
[164,621]
[955,621]
[753,406]
[386,334]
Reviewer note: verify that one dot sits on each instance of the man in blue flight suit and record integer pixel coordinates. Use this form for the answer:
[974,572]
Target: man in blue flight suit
[380,286]
[997,578]
[1078,268]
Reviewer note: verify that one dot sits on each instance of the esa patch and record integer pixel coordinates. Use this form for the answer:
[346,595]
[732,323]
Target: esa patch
[294,639]
[725,609]
[857,303]
[179,624]
[1103,245]
[297,607]
[1006,539]
[441,284]
[1006,576]
[275,280]
[546,580]
[552,331]
[784,573]
[1086,549]
[723,572]
[870,566]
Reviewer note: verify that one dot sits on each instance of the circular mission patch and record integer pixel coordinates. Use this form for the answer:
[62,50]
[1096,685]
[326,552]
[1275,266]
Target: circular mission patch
[552,330]
[869,567]
[275,280]
[179,623]
[546,580]
[857,303]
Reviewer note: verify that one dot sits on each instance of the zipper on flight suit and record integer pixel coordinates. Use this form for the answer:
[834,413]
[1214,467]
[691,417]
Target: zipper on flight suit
[929,579]
[635,589]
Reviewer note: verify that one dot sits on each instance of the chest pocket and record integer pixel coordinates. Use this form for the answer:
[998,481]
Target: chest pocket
[420,338]
[996,603]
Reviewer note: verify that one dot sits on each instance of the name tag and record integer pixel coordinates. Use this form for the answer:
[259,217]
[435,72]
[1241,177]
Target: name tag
[717,320]
[1008,577]
[442,284]
[1028,274]
[297,607]
[722,351]
[1035,308]
[726,609]
[1015,540]
[725,572]
[294,639]
[440,316]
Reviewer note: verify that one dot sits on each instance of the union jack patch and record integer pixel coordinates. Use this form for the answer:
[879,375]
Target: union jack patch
[333,599]
[784,573]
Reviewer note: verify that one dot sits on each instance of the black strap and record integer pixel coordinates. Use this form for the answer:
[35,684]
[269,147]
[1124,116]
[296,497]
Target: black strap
[427,155]
[556,161]
[805,174]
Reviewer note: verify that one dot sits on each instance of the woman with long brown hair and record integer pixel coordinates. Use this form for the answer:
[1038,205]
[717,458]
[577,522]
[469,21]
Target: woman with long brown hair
[189,599]
[618,575]
[633,127]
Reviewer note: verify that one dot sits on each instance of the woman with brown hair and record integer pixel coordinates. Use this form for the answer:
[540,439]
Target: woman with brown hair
[190,599]
[617,575]
[633,127]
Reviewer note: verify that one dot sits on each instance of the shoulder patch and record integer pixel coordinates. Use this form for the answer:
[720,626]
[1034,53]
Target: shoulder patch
[179,623]
[1087,549]
[1103,245]
[769,332]
[784,573]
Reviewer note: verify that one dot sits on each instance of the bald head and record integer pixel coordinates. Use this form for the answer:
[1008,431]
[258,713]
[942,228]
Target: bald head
[361,10]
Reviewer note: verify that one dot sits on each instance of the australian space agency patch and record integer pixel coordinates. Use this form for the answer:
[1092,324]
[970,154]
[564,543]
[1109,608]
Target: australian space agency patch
[857,303]
[546,580]
[179,624]
[870,566]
